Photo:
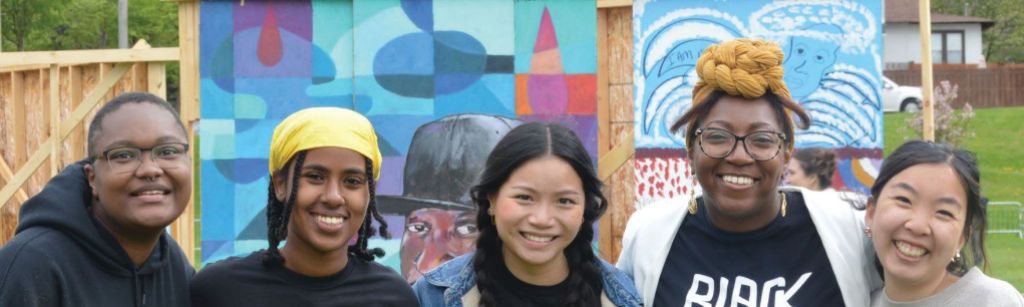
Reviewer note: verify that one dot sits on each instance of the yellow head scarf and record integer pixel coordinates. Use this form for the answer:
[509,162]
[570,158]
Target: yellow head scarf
[324,127]
[743,67]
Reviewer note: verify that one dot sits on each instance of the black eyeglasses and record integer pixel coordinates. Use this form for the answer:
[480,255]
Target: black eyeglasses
[127,159]
[719,143]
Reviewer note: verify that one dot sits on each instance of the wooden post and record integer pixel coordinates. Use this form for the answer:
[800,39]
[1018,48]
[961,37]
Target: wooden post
[605,238]
[928,109]
[75,97]
[157,79]
[55,142]
[183,228]
[19,119]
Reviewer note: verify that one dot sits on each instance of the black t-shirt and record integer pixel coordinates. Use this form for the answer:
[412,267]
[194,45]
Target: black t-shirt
[246,282]
[513,292]
[781,264]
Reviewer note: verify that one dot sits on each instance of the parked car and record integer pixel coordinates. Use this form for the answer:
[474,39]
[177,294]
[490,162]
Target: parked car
[899,98]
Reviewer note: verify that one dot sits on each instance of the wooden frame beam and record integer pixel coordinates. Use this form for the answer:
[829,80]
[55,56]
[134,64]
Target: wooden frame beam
[601,4]
[70,57]
[74,119]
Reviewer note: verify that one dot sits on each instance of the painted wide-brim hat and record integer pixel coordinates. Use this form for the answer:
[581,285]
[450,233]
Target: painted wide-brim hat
[444,162]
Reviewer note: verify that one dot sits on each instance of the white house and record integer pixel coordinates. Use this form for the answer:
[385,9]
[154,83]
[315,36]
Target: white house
[955,39]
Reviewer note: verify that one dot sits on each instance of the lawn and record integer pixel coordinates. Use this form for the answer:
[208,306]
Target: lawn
[999,145]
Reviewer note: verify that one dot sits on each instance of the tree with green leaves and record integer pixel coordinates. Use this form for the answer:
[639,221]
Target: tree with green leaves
[1004,41]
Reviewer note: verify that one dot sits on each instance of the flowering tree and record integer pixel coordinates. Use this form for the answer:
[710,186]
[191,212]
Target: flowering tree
[951,125]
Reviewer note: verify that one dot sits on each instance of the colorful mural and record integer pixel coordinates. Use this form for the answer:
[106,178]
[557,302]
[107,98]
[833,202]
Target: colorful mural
[832,67]
[430,75]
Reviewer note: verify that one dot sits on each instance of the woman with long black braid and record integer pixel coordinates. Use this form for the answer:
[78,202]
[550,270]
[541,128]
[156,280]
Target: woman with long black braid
[323,163]
[538,198]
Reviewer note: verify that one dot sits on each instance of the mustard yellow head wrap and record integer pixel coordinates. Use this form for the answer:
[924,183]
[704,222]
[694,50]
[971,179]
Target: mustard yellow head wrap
[324,127]
[744,67]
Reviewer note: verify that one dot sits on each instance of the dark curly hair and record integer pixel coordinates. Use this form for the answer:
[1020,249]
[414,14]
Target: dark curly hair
[817,162]
[279,213]
[526,142]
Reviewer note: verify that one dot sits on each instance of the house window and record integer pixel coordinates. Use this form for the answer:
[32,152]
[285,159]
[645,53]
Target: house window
[948,47]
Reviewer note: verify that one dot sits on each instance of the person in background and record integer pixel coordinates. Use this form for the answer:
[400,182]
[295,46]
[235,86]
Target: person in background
[323,165]
[94,236]
[537,199]
[745,241]
[924,206]
[811,168]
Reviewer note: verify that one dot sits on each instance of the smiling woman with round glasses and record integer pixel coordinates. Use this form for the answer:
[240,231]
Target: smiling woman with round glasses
[745,241]
[94,236]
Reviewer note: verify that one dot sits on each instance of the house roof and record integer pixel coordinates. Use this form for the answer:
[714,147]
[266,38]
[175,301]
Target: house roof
[906,11]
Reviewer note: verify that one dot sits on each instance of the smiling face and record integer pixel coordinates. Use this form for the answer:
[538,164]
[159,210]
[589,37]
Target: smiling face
[150,196]
[917,224]
[538,211]
[330,204]
[740,192]
[433,236]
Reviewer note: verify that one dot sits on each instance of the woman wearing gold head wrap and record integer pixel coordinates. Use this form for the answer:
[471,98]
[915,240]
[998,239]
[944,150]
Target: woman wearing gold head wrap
[745,241]
[323,163]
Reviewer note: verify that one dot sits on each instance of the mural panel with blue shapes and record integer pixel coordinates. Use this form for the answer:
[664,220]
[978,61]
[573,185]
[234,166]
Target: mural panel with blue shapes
[832,67]
[415,68]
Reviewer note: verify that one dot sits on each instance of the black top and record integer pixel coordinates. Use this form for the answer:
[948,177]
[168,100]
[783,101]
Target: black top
[781,264]
[245,281]
[513,292]
[61,256]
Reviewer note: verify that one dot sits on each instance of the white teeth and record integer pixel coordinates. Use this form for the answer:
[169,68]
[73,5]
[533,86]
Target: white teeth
[153,192]
[333,220]
[537,238]
[909,250]
[738,180]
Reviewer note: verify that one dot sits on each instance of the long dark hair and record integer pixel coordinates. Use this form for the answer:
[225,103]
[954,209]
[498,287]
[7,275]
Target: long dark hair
[966,167]
[526,142]
[279,213]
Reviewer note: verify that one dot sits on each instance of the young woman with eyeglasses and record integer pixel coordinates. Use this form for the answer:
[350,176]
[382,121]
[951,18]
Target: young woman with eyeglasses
[94,236]
[745,241]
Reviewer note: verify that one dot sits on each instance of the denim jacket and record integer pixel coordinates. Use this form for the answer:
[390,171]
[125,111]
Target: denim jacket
[453,284]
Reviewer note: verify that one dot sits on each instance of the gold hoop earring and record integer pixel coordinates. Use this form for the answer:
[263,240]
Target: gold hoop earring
[693,203]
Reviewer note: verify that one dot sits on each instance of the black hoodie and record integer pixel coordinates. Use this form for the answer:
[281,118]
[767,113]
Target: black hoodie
[61,256]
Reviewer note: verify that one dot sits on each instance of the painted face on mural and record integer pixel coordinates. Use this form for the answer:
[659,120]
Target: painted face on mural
[433,236]
[330,204]
[140,191]
[807,61]
[740,191]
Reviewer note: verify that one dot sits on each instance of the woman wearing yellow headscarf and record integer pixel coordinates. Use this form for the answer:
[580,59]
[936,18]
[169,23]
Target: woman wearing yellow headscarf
[323,163]
[745,241]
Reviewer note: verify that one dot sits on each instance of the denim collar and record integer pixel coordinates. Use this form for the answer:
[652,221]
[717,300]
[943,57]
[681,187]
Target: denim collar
[458,277]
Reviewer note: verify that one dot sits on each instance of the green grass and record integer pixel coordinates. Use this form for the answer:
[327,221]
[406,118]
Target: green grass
[998,144]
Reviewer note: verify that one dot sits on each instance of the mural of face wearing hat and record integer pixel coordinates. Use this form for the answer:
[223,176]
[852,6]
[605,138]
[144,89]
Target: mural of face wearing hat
[442,165]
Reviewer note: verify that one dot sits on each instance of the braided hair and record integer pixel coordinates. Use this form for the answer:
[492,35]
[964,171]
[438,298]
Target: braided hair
[279,214]
[817,162]
[522,144]
[742,68]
